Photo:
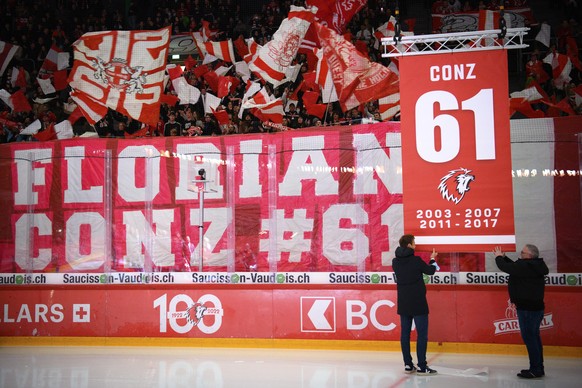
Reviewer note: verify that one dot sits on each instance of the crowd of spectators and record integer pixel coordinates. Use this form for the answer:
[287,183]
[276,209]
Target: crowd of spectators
[35,26]
[562,17]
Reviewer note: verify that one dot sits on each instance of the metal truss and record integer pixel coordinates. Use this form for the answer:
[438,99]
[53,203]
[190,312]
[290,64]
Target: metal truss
[454,42]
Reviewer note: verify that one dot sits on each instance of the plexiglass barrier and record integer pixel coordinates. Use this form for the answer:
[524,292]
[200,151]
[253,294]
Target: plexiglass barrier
[311,202]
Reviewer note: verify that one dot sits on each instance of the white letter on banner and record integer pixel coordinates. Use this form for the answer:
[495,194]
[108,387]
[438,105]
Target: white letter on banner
[291,234]
[374,315]
[212,235]
[126,173]
[23,165]
[137,230]
[308,163]
[387,168]
[334,236]
[23,229]
[393,218]
[251,171]
[74,192]
[96,257]
[351,315]
[189,169]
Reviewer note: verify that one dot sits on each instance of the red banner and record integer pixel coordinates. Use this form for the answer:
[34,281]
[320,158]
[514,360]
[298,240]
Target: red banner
[457,180]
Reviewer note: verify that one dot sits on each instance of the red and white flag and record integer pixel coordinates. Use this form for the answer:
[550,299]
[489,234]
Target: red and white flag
[206,31]
[324,80]
[521,101]
[337,13]
[187,94]
[221,116]
[199,42]
[308,46]
[16,101]
[18,77]
[7,52]
[389,106]
[357,80]
[222,50]
[251,88]
[253,48]
[561,67]
[56,59]
[226,85]
[271,111]
[52,75]
[276,56]
[534,93]
[211,103]
[311,106]
[120,70]
[489,19]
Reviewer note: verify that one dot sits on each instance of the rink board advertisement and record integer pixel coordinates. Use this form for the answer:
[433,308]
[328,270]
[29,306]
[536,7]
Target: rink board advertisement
[472,315]
[456,171]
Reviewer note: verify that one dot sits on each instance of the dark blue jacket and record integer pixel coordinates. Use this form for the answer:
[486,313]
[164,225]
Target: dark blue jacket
[409,270]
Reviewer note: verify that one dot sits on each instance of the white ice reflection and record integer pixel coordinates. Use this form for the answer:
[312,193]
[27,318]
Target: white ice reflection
[159,367]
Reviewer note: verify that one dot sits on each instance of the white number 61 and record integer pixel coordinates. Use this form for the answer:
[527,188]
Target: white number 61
[482,106]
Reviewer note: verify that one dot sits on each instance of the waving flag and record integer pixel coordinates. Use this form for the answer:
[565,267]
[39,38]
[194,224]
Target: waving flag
[265,107]
[120,70]
[253,48]
[323,79]
[276,56]
[357,80]
[187,94]
[251,89]
[561,67]
[313,108]
[211,103]
[18,77]
[7,51]
[521,101]
[52,75]
[337,13]
[222,50]
[16,101]
[270,111]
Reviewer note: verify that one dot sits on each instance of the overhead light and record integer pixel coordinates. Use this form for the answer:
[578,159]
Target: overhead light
[176,56]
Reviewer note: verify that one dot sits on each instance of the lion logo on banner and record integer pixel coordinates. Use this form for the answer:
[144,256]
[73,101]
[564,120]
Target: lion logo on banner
[198,311]
[455,184]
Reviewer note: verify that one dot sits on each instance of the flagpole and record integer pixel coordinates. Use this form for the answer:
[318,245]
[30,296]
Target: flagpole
[199,186]
[203,182]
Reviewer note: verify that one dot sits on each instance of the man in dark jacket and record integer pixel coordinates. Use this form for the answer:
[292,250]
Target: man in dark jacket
[526,291]
[412,304]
